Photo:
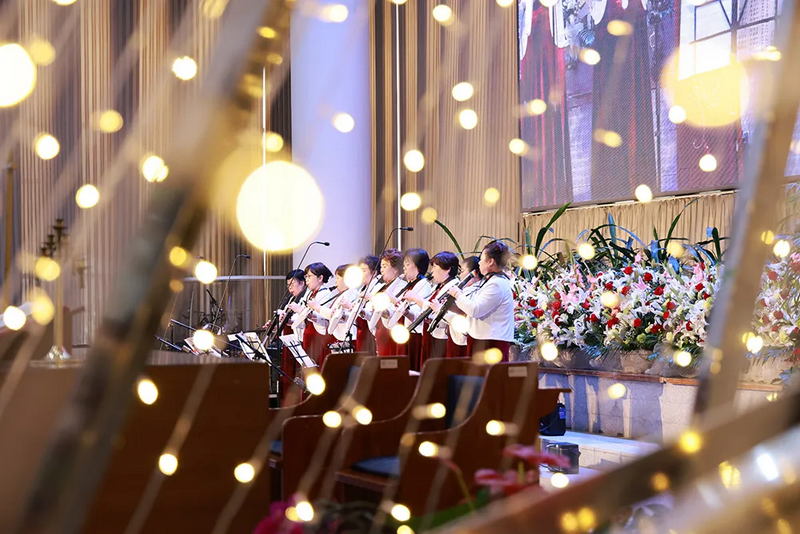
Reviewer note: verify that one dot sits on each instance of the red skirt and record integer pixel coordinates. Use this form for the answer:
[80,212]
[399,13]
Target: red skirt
[412,349]
[365,341]
[454,350]
[316,344]
[385,345]
[431,347]
[476,346]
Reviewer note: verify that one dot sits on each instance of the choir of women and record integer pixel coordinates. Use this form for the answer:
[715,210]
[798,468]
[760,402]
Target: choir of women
[458,309]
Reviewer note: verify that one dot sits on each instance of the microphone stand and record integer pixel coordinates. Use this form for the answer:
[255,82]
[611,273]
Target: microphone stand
[230,345]
[363,300]
[225,291]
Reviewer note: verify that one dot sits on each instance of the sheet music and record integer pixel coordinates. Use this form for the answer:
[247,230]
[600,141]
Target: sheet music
[296,349]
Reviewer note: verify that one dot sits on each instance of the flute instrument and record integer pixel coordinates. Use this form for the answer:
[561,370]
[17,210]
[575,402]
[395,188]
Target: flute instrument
[448,303]
[305,312]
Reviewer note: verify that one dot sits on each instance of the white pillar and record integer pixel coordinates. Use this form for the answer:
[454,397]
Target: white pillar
[331,74]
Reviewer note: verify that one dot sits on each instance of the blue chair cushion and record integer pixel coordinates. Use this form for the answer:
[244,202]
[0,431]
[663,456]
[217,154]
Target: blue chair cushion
[352,378]
[276,447]
[458,385]
[383,466]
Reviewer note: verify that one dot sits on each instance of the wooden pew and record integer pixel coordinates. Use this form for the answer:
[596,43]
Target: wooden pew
[384,386]
[507,394]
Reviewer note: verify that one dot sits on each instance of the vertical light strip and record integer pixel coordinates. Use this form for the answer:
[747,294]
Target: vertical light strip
[397,130]
[264,161]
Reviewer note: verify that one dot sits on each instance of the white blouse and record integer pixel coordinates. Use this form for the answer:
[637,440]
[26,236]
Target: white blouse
[440,332]
[490,309]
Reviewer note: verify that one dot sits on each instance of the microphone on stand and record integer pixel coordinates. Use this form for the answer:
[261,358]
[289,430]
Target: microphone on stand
[225,291]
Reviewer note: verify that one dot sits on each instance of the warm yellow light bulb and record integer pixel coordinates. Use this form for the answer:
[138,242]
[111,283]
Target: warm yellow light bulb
[362,415]
[400,334]
[344,122]
[536,106]
[353,276]
[41,51]
[492,356]
[47,269]
[178,256]
[305,512]
[272,142]
[549,351]
[108,121]
[381,302]
[42,308]
[436,410]
[332,419]
[147,391]
[203,340]
[782,248]
[529,262]
[335,13]
[586,251]
[690,442]
[429,215]
[677,114]
[14,318]
[589,56]
[468,119]
[443,14]
[414,160]
[244,473]
[315,384]
[168,464]
[491,196]
[682,358]
[612,139]
[428,449]
[708,163]
[154,169]
[518,147]
[609,299]
[559,480]
[495,428]
[18,73]
[617,391]
[410,201]
[46,146]
[205,272]
[401,513]
[643,194]
[185,68]
[64,2]
[463,91]
[87,196]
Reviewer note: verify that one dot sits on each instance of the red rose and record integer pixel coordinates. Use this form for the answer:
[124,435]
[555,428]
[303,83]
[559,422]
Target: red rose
[609,286]
[658,291]
[777,314]
[706,295]
[666,314]
[556,321]
[765,319]
[702,266]
[593,318]
[514,294]
[776,328]
[688,326]
[763,302]
[538,313]
[656,328]
[613,321]
[671,305]
[628,270]
[698,287]
[648,277]
[637,323]
[797,352]
[558,295]
[625,290]
[532,302]
[772,275]
[585,305]
[556,305]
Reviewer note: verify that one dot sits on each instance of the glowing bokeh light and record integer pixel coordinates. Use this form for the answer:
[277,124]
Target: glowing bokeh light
[414,160]
[443,14]
[495,428]
[682,358]
[400,334]
[46,146]
[108,121]
[460,324]
[47,269]
[42,308]
[332,419]
[609,299]
[589,56]
[203,340]
[362,415]
[185,68]
[244,473]
[782,248]
[287,223]
[168,464]
[690,442]
[619,28]
[87,196]
[335,13]
[676,114]
[304,510]
[643,193]
[353,276]
[344,122]
[428,449]
[41,51]
[400,512]
[708,163]
[147,391]
[272,142]
[491,196]
[154,169]
[410,201]
[206,272]
[315,384]
[529,262]
[617,391]
[549,351]
[178,256]
[518,147]
[429,215]
[463,91]
[468,119]
[586,251]
[14,318]
[492,356]
[559,480]
[536,106]
[18,73]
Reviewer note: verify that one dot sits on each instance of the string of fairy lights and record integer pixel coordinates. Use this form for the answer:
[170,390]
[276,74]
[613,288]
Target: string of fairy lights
[19,64]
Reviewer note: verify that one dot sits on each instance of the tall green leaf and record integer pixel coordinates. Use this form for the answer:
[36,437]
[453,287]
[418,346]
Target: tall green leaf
[450,235]
[543,231]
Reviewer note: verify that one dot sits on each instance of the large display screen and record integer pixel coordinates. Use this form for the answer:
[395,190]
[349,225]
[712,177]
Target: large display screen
[618,93]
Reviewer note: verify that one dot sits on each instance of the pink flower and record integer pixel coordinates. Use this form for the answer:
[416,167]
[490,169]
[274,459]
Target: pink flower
[507,483]
[277,523]
[534,457]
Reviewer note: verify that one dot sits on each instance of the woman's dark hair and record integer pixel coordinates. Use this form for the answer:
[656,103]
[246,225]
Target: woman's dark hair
[420,258]
[472,264]
[446,261]
[372,261]
[298,275]
[319,269]
[341,269]
[498,251]
[394,257]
